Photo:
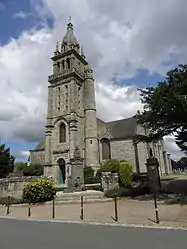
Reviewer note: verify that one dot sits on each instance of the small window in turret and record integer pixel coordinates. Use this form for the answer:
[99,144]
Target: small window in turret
[63,65]
[68,63]
[90,141]
[58,65]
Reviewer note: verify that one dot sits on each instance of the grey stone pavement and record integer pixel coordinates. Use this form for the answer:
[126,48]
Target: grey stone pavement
[129,211]
[23,234]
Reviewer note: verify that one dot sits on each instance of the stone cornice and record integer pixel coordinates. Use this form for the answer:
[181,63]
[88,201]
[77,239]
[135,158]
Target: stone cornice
[69,75]
[68,53]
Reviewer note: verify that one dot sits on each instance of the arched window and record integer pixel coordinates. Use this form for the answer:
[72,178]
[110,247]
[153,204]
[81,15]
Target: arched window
[62,133]
[106,154]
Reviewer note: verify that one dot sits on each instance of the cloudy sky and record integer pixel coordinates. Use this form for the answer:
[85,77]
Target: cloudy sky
[129,44]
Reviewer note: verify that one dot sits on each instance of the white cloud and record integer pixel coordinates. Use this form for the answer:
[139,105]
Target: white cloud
[119,37]
[21,154]
[173,149]
[21,14]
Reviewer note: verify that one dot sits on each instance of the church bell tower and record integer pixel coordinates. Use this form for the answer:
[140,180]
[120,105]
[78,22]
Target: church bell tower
[71,141]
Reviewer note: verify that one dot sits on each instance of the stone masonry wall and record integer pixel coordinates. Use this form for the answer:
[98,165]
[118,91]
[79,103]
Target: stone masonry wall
[14,186]
[123,150]
[142,156]
[37,157]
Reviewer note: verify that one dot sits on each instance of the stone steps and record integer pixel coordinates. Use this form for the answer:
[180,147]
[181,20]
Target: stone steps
[76,196]
[86,201]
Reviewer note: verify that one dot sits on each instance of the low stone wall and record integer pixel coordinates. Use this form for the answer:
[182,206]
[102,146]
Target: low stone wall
[14,186]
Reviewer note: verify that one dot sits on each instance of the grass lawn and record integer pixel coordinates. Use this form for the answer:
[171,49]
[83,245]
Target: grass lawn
[174,177]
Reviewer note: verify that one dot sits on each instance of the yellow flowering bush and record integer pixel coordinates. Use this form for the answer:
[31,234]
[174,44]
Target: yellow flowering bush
[39,191]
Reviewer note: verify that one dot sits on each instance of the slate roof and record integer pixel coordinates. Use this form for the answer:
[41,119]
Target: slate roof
[41,145]
[123,129]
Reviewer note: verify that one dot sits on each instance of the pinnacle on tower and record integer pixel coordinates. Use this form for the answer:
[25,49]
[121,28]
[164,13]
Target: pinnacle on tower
[56,52]
[82,52]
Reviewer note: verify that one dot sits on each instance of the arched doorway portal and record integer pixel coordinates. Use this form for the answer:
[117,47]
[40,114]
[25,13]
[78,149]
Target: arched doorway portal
[62,170]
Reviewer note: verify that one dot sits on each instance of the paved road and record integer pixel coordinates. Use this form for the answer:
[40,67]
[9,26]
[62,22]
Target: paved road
[21,234]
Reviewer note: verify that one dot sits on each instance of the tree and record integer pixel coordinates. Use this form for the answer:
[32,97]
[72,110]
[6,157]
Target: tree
[20,166]
[182,163]
[174,164]
[33,170]
[165,107]
[6,161]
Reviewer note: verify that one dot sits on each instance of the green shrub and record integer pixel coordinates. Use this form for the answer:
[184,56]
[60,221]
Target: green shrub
[89,177]
[88,172]
[127,192]
[99,173]
[95,187]
[110,166]
[92,180]
[125,174]
[118,192]
[40,191]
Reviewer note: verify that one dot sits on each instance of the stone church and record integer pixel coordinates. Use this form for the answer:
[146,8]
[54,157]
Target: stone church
[74,136]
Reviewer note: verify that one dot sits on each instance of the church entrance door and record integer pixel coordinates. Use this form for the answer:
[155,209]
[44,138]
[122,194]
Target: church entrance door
[62,170]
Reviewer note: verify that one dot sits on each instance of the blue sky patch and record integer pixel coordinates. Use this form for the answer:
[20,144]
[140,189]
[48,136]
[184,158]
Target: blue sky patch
[143,78]
[19,15]
[17,146]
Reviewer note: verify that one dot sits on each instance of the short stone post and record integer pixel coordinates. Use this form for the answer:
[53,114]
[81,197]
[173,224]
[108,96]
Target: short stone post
[154,180]
[153,174]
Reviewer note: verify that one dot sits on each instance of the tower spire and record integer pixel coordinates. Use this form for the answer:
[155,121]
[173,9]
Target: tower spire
[69,41]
